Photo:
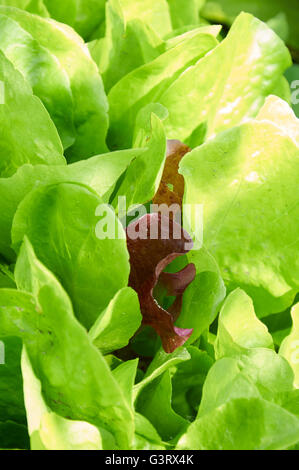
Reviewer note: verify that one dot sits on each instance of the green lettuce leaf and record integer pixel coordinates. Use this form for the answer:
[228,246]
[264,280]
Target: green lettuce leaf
[154,402]
[147,84]
[18,146]
[72,56]
[61,221]
[125,46]
[42,71]
[85,16]
[253,424]
[118,322]
[125,375]
[238,326]
[160,364]
[279,325]
[48,430]
[279,24]
[279,113]
[225,11]
[203,297]
[187,382]
[290,345]
[246,179]
[153,14]
[184,13]
[253,59]
[146,437]
[13,423]
[255,373]
[246,394]
[99,173]
[32,6]
[76,380]
[5,279]
[142,178]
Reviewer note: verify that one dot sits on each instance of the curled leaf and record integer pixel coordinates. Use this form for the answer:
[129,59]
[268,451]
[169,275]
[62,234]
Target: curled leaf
[153,242]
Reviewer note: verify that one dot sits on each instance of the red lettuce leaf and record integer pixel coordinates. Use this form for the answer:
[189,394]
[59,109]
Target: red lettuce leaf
[153,242]
[172,185]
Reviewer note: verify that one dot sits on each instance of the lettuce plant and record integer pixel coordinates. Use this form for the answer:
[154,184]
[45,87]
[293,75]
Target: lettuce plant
[149,225]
